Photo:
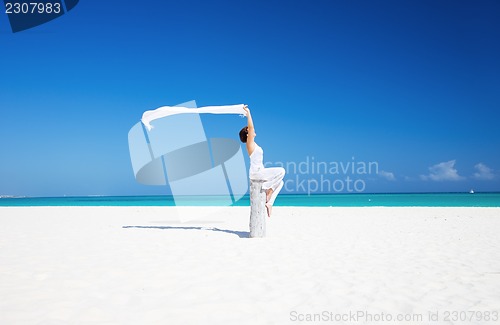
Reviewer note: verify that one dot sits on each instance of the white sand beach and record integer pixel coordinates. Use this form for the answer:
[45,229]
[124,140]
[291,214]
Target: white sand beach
[141,265]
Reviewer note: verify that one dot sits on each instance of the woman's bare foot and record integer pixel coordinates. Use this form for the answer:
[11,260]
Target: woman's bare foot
[269,192]
[269,208]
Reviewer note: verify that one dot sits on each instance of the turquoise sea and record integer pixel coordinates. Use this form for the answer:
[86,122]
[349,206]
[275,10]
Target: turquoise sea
[320,200]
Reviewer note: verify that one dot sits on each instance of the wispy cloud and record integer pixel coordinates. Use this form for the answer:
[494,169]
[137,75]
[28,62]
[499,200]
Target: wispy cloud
[483,172]
[387,175]
[444,171]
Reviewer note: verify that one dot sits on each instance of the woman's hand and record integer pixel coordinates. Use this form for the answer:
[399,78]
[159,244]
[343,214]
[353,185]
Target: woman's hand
[247,110]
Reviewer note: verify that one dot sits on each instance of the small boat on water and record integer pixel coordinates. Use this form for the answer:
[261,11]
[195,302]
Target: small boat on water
[471,191]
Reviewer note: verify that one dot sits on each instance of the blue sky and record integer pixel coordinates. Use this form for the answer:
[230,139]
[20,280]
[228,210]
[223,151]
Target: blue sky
[411,85]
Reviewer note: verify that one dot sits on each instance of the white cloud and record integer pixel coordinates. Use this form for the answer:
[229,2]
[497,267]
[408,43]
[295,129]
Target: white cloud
[444,171]
[483,172]
[387,175]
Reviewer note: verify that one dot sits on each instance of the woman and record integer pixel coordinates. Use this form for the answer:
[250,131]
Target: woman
[272,177]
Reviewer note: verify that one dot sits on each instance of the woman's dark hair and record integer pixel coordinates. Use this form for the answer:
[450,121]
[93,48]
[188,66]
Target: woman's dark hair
[244,134]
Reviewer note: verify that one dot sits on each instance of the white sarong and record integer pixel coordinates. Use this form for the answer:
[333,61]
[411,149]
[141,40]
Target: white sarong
[165,111]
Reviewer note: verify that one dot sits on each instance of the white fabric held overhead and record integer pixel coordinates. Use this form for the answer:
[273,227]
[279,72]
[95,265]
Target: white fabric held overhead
[165,111]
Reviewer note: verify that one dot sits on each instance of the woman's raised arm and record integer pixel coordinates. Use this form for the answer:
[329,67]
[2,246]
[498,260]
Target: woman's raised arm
[251,131]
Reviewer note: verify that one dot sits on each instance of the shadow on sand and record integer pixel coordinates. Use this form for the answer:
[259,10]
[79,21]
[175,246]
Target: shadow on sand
[241,234]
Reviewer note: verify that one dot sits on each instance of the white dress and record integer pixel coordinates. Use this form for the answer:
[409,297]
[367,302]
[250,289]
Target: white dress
[272,176]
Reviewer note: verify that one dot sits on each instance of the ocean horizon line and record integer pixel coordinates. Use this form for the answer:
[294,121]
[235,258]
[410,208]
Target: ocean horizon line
[223,195]
[432,199]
